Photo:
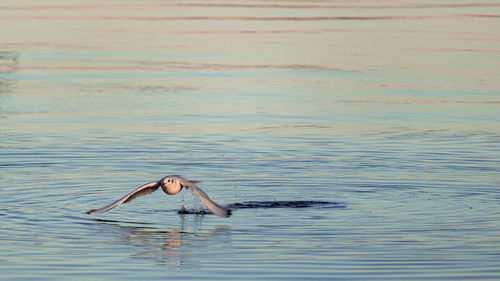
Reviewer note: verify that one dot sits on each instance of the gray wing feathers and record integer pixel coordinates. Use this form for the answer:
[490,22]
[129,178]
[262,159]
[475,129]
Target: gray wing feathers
[143,190]
[211,205]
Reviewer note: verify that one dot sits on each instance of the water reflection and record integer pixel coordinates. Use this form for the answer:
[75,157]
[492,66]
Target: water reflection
[174,248]
[9,63]
[5,86]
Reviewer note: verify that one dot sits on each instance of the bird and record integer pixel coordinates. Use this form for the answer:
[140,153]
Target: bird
[171,185]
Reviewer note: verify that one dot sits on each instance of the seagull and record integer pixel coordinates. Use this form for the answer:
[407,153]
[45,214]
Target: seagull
[171,185]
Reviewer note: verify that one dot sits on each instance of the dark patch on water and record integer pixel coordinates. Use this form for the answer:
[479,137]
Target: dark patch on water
[270,204]
[285,204]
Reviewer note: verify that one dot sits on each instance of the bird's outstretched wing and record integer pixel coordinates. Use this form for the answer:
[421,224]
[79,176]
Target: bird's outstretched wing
[211,205]
[143,190]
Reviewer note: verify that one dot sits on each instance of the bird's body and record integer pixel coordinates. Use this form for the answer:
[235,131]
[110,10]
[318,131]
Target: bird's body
[171,185]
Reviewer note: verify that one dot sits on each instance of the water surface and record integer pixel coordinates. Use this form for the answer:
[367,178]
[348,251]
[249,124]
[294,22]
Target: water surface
[385,110]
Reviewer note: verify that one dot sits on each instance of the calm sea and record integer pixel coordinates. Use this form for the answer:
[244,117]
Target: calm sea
[383,116]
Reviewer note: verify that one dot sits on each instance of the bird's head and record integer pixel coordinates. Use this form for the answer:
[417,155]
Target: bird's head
[171,185]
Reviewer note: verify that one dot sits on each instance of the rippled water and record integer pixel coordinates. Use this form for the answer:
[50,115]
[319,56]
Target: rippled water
[385,111]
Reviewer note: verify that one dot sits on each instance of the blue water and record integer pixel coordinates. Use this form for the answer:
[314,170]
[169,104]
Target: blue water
[387,111]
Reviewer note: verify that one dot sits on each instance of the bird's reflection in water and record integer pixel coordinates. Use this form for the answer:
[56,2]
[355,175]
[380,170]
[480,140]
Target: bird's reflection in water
[176,248]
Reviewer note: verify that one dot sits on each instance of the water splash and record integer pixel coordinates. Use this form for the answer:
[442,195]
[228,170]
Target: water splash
[191,205]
